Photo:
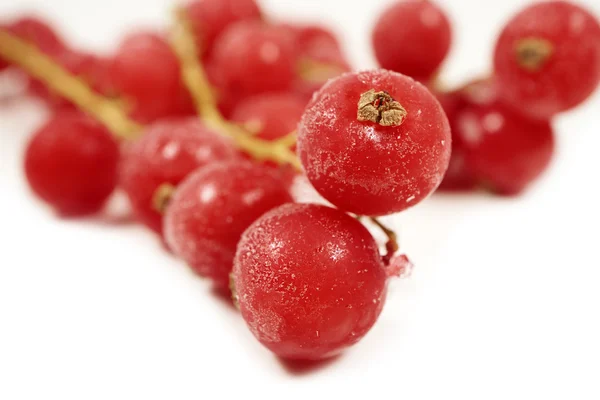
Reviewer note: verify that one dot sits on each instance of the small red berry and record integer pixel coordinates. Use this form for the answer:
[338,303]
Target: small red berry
[502,149]
[146,72]
[255,58]
[71,164]
[412,37]
[309,281]
[166,153]
[211,209]
[211,17]
[547,59]
[370,157]
[270,116]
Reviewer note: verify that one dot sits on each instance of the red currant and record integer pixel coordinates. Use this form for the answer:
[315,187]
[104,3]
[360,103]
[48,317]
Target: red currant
[146,72]
[412,37]
[309,281]
[71,164]
[254,58]
[211,209]
[547,58]
[503,150]
[270,116]
[211,17]
[166,153]
[374,142]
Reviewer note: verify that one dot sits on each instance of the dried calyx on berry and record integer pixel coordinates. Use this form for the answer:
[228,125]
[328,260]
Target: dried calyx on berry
[533,53]
[381,108]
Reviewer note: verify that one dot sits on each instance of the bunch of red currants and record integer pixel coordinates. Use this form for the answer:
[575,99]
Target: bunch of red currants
[199,130]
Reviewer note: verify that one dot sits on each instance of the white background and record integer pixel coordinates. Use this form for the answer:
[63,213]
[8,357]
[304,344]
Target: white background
[503,303]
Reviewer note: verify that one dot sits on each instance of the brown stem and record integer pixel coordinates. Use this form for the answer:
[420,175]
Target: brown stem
[185,47]
[391,245]
[196,81]
[54,76]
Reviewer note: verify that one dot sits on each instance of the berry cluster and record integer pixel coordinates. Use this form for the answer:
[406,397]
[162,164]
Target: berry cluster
[200,129]
[546,61]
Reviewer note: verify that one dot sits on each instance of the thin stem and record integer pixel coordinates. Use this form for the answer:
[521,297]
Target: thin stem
[196,81]
[40,66]
[391,245]
[193,74]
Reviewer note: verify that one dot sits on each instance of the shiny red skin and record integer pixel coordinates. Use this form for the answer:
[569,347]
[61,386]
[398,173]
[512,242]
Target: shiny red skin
[253,58]
[71,163]
[270,115]
[504,150]
[412,37]
[166,153]
[459,176]
[146,72]
[571,73]
[309,281]
[318,47]
[213,207]
[366,168]
[211,17]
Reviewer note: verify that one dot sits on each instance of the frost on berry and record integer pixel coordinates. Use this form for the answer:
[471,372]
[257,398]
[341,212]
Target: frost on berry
[368,168]
[309,280]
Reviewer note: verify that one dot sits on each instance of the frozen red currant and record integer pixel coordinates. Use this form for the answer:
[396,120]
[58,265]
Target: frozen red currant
[71,164]
[166,153]
[211,209]
[211,17]
[253,57]
[547,58]
[412,37]
[146,72]
[270,116]
[374,142]
[459,176]
[309,281]
[502,149]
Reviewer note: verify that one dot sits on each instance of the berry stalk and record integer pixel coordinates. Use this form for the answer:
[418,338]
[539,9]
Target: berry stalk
[195,79]
[61,81]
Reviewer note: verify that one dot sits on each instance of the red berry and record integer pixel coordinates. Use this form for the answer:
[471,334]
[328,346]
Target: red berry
[459,177]
[270,116]
[369,160]
[211,209]
[146,72]
[211,17]
[321,58]
[412,37]
[255,58]
[166,153]
[547,58]
[71,164]
[309,281]
[505,151]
